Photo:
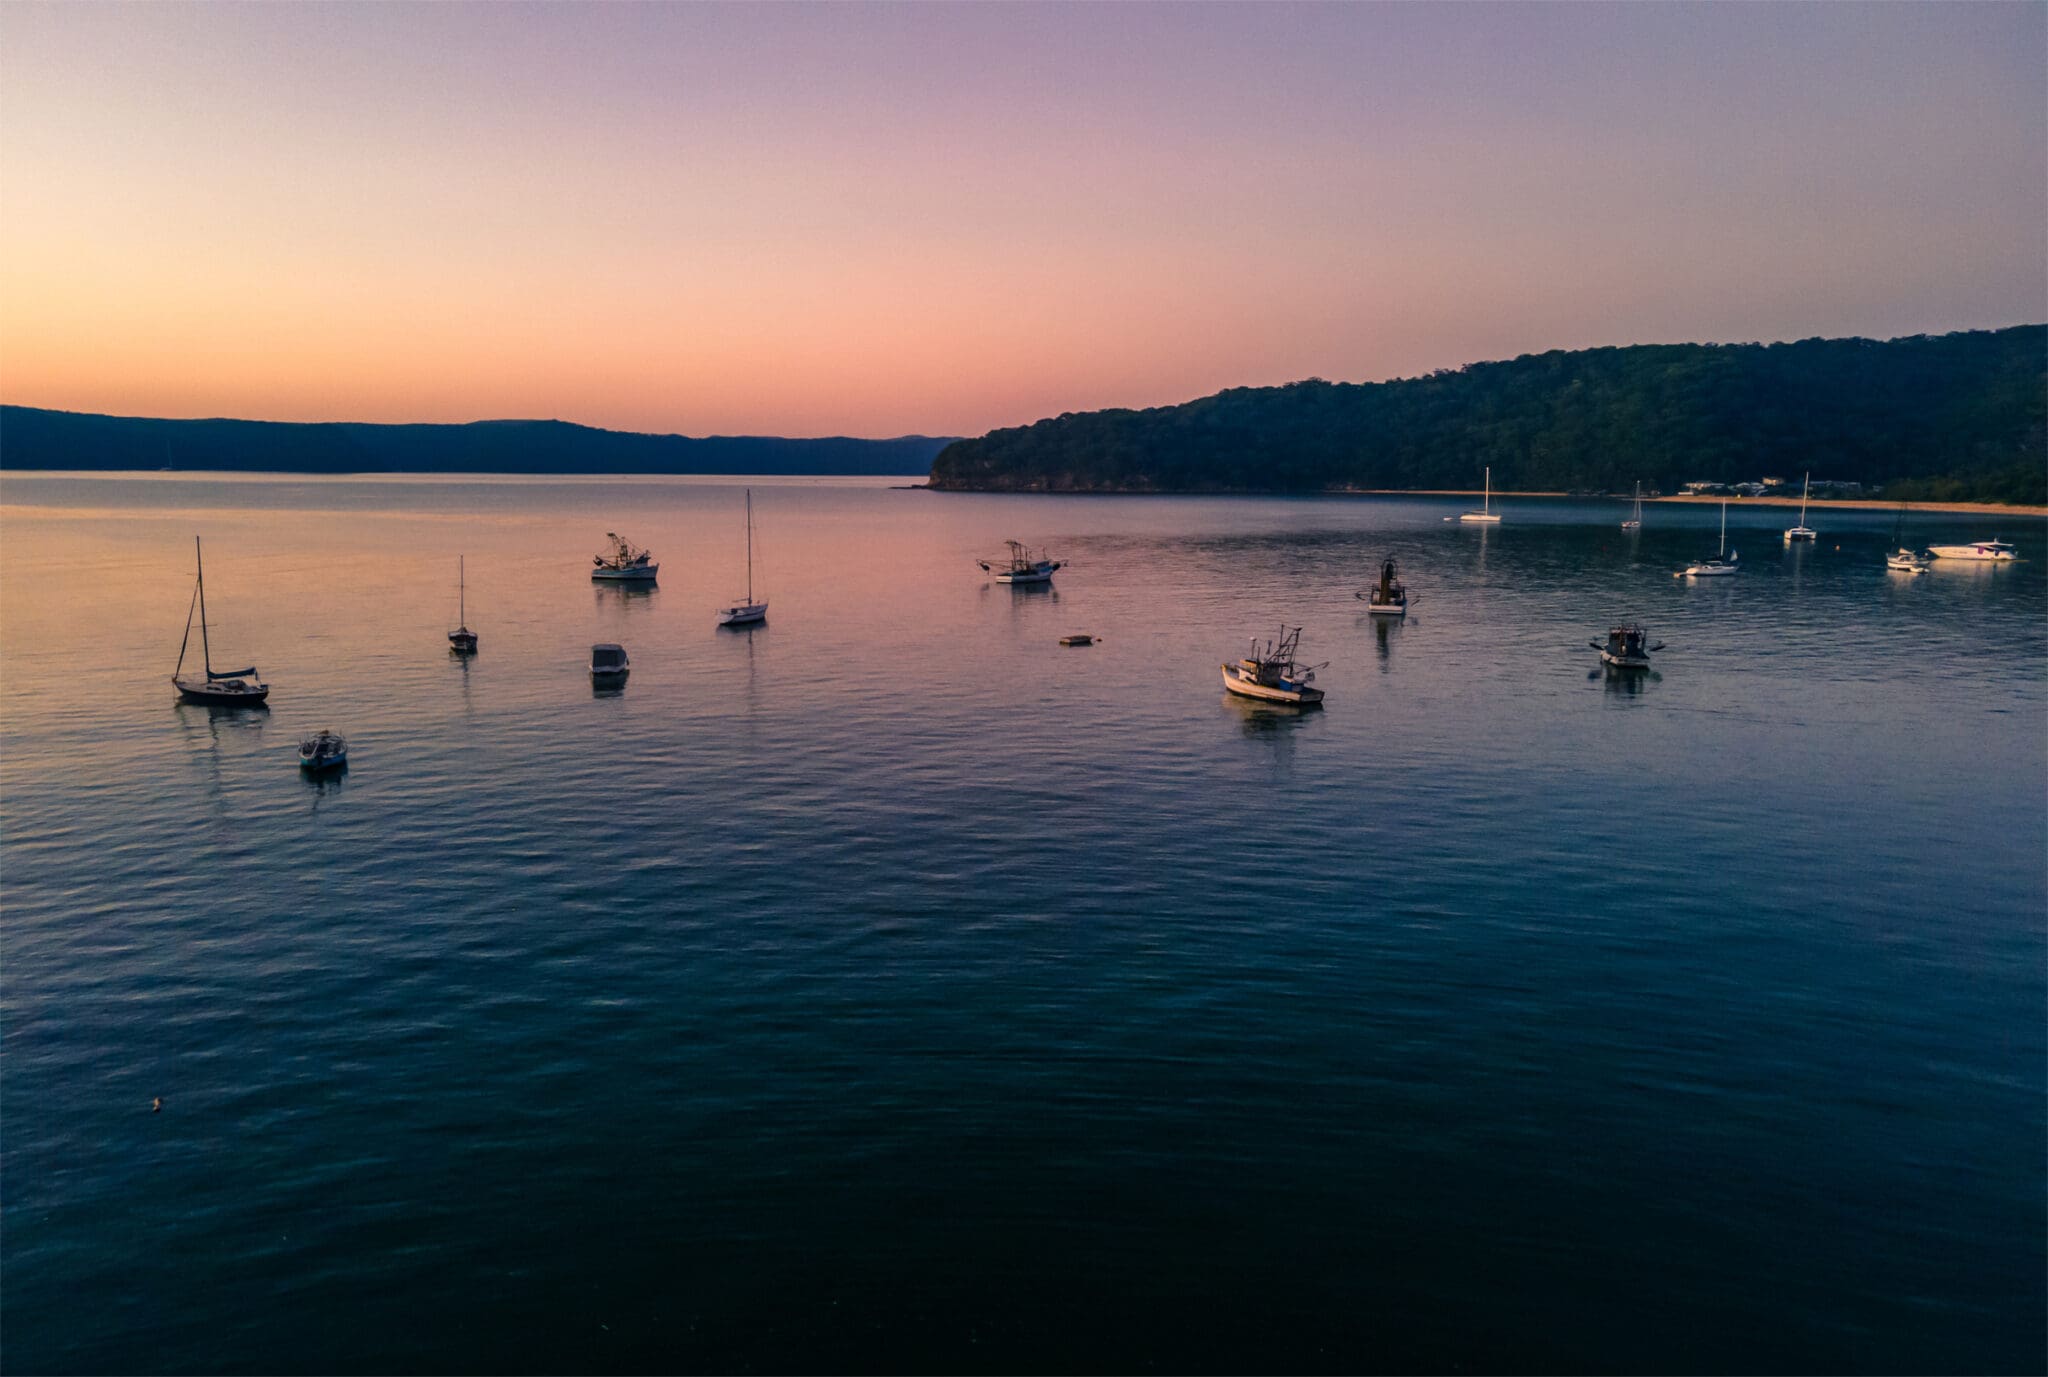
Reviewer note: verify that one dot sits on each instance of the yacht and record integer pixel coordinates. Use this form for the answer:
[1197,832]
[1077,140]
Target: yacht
[323,751]
[748,612]
[1486,512]
[1906,561]
[461,640]
[1721,563]
[1998,550]
[1271,674]
[608,664]
[1022,566]
[623,563]
[1802,532]
[1626,647]
[218,688]
[1388,597]
[1635,522]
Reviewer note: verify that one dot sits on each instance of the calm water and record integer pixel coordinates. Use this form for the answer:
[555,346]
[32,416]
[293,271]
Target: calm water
[888,987]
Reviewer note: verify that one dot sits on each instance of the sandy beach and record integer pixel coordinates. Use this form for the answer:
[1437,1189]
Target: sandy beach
[1845,503]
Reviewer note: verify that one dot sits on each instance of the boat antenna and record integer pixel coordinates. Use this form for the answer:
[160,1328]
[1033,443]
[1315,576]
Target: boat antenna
[205,648]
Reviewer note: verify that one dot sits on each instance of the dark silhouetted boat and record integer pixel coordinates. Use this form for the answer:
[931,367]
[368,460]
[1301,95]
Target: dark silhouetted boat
[461,640]
[623,563]
[1022,566]
[1388,597]
[1627,647]
[323,751]
[217,688]
[748,612]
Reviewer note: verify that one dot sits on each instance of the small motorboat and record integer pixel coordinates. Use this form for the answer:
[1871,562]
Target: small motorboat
[1627,647]
[608,664]
[1903,561]
[1716,565]
[1388,597]
[1995,550]
[1023,566]
[323,751]
[1272,674]
[219,688]
[1077,640]
[461,640]
[1802,533]
[623,562]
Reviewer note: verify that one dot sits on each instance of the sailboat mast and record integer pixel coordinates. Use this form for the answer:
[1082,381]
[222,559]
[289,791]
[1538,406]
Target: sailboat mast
[205,648]
[1724,529]
[461,593]
[750,546]
[1805,484]
[1486,504]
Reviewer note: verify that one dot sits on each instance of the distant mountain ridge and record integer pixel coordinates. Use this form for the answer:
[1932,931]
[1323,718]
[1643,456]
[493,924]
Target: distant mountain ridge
[35,438]
[1931,417]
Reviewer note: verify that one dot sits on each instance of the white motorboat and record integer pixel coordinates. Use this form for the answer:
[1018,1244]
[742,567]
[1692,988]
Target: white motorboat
[1388,597]
[623,563]
[1905,561]
[1802,532]
[1626,647]
[461,640]
[1720,564]
[1486,512]
[608,664]
[218,688]
[1635,522]
[323,751]
[1272,674]
[1023,566]
[1994,550]
[748,612]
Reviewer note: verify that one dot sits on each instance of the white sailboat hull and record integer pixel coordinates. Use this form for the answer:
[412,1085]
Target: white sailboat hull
[1798,533]
[1987,552]
[1489,518]
[743,613]
[1707,571]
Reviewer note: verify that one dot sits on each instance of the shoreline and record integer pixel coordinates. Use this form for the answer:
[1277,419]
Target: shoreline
[1818,503]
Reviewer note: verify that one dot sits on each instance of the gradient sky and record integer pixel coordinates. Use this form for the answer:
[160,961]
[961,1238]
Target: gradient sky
[873,220]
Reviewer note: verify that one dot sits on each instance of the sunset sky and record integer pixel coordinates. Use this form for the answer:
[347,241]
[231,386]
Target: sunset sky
[873,220]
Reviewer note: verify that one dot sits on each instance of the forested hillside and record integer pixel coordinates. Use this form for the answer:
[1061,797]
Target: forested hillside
[1954,416]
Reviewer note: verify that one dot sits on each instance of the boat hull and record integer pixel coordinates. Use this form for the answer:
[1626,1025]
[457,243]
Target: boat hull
[746,614]
[1387,609]
[462,642]
[322,766]
[1613,661]
[646,575]
[1026,576]
[1711,571]
[1798,534]
[1270,693]
[1482,518]
[1970,552]
[213,696]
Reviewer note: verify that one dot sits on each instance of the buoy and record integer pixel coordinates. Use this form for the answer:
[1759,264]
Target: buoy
[156,1106]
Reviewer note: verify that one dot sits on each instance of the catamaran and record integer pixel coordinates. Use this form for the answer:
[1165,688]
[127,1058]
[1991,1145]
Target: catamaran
[623,563]
[220,688]
[1723,561]
[1022,566]
[1272,674]
[1998,550]
[1388,597]
[748,612]
[461,640]
[1626,647]
[1635,523]
[1802,531]
[1486,511]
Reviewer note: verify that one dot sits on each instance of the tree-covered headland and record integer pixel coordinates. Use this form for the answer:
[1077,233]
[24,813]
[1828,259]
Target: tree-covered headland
[1928,417]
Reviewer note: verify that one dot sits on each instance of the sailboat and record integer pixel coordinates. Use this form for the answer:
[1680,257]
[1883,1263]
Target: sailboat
[1904,559]
[1802,531]
[748,612]
[1635,523]
[1486,511]
[220,688]
[461,640]
[1723,561]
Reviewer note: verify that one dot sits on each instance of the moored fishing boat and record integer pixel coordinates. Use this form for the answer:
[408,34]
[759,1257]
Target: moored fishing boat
[1627,647]
[217,688]
[623,563]
[323,750]
[1273,675]
[1388,597]
[1023,566]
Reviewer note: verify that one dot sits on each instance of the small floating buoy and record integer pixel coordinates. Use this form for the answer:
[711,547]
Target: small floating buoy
[1077,640]
[156,1106]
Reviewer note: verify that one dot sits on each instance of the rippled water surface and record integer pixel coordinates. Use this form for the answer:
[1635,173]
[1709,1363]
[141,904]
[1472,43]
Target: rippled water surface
[888,987]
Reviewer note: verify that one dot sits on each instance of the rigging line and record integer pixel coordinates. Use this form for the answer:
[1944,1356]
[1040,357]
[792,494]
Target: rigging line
[188,632]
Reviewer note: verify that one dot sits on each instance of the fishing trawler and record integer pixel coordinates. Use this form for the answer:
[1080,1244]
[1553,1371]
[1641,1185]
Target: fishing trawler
[1997,550]
[748,612]
[1388,597]
[1626,647]
[1022,566]
[1802,532]
[623,563]
[219,688]
[461,640]
[323,751]
[1721,563]
[1271,674]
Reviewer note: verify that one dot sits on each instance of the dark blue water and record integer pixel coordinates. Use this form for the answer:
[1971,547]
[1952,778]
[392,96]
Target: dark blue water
[889,988]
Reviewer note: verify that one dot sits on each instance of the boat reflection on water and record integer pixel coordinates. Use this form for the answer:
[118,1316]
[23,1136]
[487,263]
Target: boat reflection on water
[1626,682]
[638,596]
[1382,628]
[1261,719]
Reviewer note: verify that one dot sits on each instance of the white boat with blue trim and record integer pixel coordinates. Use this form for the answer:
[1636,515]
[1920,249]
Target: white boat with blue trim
[1272,674]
